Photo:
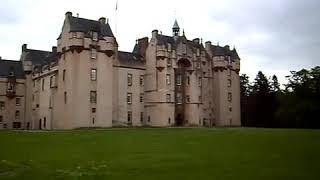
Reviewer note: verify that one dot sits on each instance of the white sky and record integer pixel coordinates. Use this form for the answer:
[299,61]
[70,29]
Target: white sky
[252,26]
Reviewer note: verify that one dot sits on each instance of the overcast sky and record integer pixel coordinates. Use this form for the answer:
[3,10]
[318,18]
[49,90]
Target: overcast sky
[273,36]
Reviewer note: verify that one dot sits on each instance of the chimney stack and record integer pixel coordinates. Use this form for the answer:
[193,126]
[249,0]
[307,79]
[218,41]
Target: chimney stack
[24,47]
[196,40]
[154,33]
[68,14]
[102,20]
[54,49]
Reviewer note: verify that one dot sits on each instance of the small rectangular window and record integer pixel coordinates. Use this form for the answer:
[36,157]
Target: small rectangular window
[229,82]
[200,81]
[93,53]
[169,62]
[44,122]
[93,110]
[168,97]
[51,82]
[229,96]
[188,80]
[200,99]
[1,119]
[168,79]
[141,117]
[141,80]
[2,105]
[94,36]
[17,115]
[63,75]
[179,98]
[16,125]
[65,98]
[74,34]
[93,74]
[129,117]
[10,86]
[18,101]
[187,98]
[141,97]
[129,98]
[93,96]
[129,79]
[179,80]
[42,84]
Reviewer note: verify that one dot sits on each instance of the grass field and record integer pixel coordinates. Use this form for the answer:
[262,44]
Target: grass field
[164,154]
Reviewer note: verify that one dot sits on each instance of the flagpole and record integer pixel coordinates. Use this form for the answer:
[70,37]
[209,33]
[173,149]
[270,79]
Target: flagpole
[116,18]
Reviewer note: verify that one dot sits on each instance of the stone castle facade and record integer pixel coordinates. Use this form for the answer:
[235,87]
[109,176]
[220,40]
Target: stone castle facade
[85,81]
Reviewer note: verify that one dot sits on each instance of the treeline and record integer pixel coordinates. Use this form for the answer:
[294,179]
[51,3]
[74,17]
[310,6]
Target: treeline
[297,105]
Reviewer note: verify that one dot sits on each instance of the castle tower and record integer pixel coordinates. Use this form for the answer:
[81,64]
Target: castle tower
[87,50]
[175,29]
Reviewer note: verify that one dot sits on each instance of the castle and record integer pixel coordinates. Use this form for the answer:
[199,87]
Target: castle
[85,81]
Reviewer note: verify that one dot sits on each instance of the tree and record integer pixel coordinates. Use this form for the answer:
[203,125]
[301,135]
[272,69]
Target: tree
[275,86]
[244,99]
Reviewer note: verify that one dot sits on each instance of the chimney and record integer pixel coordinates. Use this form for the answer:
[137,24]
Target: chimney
[54,49]
[208,45]
[102,20]
[154,33]
[24,47]
[196,40]
[68,14]
[143,44]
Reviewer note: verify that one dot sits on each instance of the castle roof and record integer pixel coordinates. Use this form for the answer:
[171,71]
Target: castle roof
[39,57]
[86,25]
[130,59]
[175,25]
[9,66]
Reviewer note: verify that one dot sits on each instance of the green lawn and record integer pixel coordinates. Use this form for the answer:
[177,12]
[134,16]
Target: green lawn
[164,154]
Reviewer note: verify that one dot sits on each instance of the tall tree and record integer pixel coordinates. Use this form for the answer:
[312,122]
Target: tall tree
[275,86]
[244,99]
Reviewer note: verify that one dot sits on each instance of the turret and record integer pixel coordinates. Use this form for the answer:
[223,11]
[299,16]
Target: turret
[175,29]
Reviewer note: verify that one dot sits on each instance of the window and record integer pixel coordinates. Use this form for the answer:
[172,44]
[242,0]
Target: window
[187,98]
[229,82]
[93,110]
[16,125]
[10,86]
[179,98]
[168,97]
[141,97]
[129,79]
[92,120]
[169,62]
[229,72]
[32,97]
[94,36]
[51,84]
[184,48]
[2,105]
[93,53]
[230,109]
[42,88]
[229,96]
[199,81]
[65,98]
[141,117]
[179,80]
[188,80]
[63,75]
[129,98]
[34,84]
[93,96]
[18,101]
[74,34]
[198,64]
[200,98]
[168,79]
[141,80]
[1,119]
[17,115]
[169,120]
[129,117]
[44,122]
[149,119]
[93,74]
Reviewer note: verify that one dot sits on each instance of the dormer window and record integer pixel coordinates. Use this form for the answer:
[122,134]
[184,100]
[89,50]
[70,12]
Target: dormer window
[10,87]
[94,36]
[74,35]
